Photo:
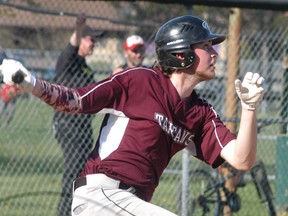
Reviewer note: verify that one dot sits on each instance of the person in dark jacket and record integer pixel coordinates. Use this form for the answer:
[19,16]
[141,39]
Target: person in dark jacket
[74,132]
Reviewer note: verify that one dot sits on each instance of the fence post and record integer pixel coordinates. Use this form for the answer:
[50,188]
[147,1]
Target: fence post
[284,99]
[233,69]
[281,180]
[233,60]
[185,183]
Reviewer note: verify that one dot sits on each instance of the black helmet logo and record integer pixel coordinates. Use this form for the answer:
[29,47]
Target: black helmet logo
[205,25]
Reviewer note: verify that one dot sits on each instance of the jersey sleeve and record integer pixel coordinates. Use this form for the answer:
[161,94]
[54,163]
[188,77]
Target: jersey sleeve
[212,139]
[88,100]
[210,134]
[123,92]
[110,93]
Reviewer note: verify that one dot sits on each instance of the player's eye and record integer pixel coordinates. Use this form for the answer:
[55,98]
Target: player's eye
[208,47]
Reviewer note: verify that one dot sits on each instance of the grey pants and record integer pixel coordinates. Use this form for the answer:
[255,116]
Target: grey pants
[101,196]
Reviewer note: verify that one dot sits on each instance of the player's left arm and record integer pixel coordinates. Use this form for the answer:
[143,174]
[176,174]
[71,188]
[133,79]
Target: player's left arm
[241,152]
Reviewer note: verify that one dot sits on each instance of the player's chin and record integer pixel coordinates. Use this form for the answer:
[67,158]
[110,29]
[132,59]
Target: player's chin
[212,67]
[210,74]
[212,70]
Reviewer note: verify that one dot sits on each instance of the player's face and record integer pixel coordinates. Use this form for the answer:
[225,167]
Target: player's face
[205,61]
[135,57]
[86,46]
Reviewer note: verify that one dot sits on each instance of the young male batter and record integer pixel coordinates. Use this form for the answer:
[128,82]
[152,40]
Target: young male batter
[154,113]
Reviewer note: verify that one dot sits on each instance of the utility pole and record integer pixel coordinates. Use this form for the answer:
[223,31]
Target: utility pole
[233,65]
[231,96]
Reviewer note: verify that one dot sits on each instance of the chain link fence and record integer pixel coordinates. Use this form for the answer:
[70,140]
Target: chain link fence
[35,32]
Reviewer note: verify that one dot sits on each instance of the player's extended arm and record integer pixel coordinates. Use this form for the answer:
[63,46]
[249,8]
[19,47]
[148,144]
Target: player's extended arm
[241,153]
[59,97]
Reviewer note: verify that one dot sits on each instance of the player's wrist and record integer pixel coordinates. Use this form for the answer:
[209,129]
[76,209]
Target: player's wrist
[28,83]
[250,107]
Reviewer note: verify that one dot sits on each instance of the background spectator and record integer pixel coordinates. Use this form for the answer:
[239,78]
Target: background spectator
[134,53]
[74,132]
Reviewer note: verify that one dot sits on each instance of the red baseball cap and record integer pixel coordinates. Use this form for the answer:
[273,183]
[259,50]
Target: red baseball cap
[133,41]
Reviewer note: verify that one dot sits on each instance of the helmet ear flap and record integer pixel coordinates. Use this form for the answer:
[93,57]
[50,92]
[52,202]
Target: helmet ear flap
[187,60]
[189,57]
[177,59]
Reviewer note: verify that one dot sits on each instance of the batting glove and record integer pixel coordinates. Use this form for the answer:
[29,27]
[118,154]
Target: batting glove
[14,73]
[250,90]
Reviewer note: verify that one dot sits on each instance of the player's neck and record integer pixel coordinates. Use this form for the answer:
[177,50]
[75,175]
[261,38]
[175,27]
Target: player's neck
[184,84]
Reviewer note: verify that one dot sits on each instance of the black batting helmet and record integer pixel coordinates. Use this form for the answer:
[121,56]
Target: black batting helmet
[177,35]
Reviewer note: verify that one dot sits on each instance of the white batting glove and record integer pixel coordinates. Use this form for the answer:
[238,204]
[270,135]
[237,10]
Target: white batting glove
[250,90]
[12,70]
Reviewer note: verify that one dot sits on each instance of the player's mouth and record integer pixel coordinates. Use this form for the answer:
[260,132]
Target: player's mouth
[212,67]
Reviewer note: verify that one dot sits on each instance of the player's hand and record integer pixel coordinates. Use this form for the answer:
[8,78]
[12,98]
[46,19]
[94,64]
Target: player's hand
[14,73]
[250,90]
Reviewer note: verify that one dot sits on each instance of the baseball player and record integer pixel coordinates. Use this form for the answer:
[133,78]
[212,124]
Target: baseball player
[134,52]
[154,113]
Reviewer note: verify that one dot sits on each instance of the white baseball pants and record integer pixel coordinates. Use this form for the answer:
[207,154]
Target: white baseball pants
[101,196]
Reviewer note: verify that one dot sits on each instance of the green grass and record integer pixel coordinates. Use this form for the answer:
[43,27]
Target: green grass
[250,202]
[35,194]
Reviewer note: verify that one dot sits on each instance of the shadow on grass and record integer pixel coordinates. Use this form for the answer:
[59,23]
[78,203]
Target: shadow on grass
[31,165]
[29,194]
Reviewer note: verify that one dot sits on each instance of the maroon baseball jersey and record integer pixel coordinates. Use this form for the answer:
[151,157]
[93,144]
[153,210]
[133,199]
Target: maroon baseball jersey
[147,125]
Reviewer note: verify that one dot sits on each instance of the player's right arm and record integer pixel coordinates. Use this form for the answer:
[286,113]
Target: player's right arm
[59,97]
[89,99]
